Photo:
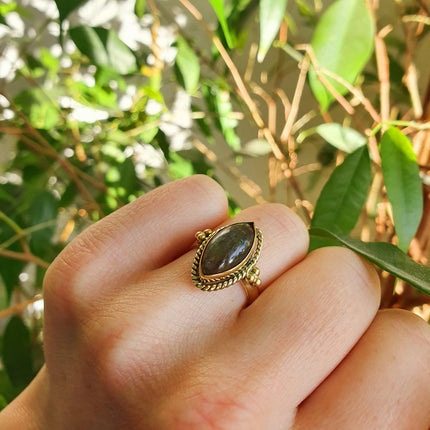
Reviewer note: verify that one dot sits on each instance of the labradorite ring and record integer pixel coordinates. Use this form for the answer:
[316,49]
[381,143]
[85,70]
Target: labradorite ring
[226,256]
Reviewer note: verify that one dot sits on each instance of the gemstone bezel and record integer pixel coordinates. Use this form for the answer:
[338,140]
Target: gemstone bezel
[225,279]
[239,265]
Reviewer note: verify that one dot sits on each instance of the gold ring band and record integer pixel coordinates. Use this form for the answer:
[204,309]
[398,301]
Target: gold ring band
[226,256]
[251,290]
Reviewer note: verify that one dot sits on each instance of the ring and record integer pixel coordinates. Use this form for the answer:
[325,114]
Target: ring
[226,256]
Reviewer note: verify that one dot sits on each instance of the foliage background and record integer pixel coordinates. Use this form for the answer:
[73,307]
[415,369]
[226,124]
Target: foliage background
[304,102]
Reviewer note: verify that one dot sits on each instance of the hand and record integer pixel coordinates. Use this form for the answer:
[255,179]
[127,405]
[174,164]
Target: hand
[130,343]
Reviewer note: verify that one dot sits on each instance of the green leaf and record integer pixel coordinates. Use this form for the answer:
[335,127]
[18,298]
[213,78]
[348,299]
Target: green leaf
[44,208]
[104,48]
[139,8]
[343,196]
[5,196]
[10,268]
[218,6]
[65,7]
[402,180]
[218,103]
[344,138]
[7,390]
[271,15]
[180,167]
[342,43]
[16,354]
[39,108]
[3,402]
[94,96]
[187,66]
[128,178]
[386,256]
[238,14]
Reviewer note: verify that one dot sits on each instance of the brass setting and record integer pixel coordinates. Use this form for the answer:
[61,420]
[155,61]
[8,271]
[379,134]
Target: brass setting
[245,271]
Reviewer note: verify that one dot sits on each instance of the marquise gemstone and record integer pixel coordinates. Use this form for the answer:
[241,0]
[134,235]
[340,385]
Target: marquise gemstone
[228,248]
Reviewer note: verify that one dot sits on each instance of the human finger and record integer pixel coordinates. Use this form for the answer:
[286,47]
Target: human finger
[150,331]
[384,383]
[285,243]
[144,235]
[166,301]
[302,327]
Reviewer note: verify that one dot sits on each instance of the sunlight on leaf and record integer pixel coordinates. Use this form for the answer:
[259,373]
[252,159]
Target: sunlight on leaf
[187,66]
[65,7]
[342,43]
[271,15]
[403,183]
[139,8]
[104,48]
[343,138]
[218,6]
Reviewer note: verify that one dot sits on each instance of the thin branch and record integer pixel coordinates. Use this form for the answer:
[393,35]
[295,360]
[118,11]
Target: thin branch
[284,100]
[248,186]
[416,18]
[24,257]
[69,168]
[17,229]
[383,65]
[339,98]
[19,307]
[304,67]
[410,79]
[271,106]
[26,232]
[243,92]
[354,91]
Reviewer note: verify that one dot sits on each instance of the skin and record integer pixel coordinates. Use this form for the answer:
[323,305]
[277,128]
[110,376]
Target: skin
[130,343]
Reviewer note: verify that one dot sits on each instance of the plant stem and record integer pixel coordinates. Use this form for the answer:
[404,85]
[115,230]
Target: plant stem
[19,307]
[24,257]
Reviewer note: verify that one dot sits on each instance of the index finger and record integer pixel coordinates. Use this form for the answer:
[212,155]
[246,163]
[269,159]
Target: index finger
[144,235]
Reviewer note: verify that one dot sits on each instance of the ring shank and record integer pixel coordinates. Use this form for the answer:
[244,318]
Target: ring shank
[251,290]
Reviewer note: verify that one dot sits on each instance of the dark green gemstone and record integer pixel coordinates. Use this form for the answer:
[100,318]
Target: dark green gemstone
[228,248]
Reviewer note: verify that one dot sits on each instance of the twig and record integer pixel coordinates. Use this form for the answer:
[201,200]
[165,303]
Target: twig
[339,98]
[243,92]
[284,100]
[304,67]
[410,79]
[251,62]
[26,231]
[271,107]
[383,65]
[17,229]
[19,307]
[354,91]
[416,18]
[248,186]
[244,95]
[24,257]
[70,169]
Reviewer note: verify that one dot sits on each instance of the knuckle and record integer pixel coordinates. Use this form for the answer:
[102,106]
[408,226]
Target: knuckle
[207,406]
[65,276]
[409,336]
[287,221]
[350,273]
